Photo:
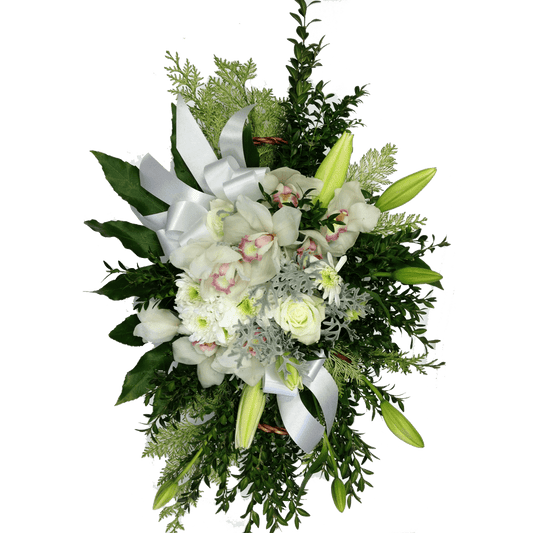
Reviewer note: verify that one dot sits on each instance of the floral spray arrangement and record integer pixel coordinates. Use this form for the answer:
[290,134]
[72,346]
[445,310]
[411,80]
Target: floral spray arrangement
[276,280]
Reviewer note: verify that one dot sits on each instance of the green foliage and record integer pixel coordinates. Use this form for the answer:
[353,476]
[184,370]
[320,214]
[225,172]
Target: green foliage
[214,101]
[138,379]
[155,281]
[140,240]
[373,170]
[314,119]
[123,333]
[125,180]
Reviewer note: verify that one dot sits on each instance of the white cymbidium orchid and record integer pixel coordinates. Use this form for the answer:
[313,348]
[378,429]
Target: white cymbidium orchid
[280,181]
[220,268]
[249,369]
[203,355]
[356,216]
[260,236]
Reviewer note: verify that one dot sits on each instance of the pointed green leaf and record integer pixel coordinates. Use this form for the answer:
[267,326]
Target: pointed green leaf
[251,154]
[137,380]
[140,240]
[123,333]
[118,289]
[124,178]
[180,168]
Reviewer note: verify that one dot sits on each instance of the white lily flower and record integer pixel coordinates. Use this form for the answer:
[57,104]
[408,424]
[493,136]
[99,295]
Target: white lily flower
[157,325]
[202,355]
[260,236]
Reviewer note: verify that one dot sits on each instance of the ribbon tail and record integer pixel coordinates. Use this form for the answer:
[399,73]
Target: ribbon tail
[303,428]
[192,145]
[230,141]
[326,392]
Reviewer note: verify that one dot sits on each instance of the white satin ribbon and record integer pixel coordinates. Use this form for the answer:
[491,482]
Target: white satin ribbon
[303,428]
[224,178]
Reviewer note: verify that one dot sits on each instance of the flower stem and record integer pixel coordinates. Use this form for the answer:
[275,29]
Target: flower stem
[374,390]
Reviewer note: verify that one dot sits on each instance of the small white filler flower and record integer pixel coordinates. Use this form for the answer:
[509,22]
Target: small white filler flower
[328,281]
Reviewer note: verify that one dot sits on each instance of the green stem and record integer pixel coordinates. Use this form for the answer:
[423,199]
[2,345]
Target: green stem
[190,465]
[374,390]
[382,274]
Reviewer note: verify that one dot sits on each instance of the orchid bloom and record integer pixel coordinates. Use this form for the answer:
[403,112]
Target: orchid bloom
[280,181]
[202,355]
[356,216]
[259,236]
[219,269]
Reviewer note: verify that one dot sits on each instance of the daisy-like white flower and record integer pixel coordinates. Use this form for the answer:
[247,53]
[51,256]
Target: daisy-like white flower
[328,279]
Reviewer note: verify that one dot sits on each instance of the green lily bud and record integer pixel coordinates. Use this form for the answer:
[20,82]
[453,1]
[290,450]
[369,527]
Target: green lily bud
[400,426]
[332,171]
[292,379]
[416,276]
[338,493]
[166,492]
[250,410]
[403,190]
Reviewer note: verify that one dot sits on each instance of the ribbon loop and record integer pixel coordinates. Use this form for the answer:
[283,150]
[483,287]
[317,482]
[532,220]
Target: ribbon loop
[226,178]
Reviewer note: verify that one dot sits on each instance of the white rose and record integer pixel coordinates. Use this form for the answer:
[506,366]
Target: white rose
[157,325]
[302,318]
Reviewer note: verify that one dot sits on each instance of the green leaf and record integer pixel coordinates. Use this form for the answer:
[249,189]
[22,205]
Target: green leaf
[180,168]
[125,180]
[118,289]
[137,380]
[251,154]
[123,333]
[140,240]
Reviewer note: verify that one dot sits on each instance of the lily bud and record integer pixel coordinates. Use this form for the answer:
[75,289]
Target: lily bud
[416,276]
[400,426]
[338,493]
[250,410]
[166,492]
[292,379]
[403,190]
[332,171]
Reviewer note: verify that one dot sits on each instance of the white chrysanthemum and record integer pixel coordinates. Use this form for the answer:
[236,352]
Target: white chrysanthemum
[232,313]
[188,296]
[204,325]
[328,279]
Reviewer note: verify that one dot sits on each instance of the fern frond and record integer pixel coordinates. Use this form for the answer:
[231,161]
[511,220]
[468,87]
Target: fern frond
[374,168]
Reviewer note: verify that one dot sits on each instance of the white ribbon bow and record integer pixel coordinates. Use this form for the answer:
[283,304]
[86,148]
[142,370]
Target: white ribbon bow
[303,427]
[224,178]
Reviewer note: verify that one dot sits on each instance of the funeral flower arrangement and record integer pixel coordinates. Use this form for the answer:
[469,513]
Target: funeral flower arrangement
[275,283]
